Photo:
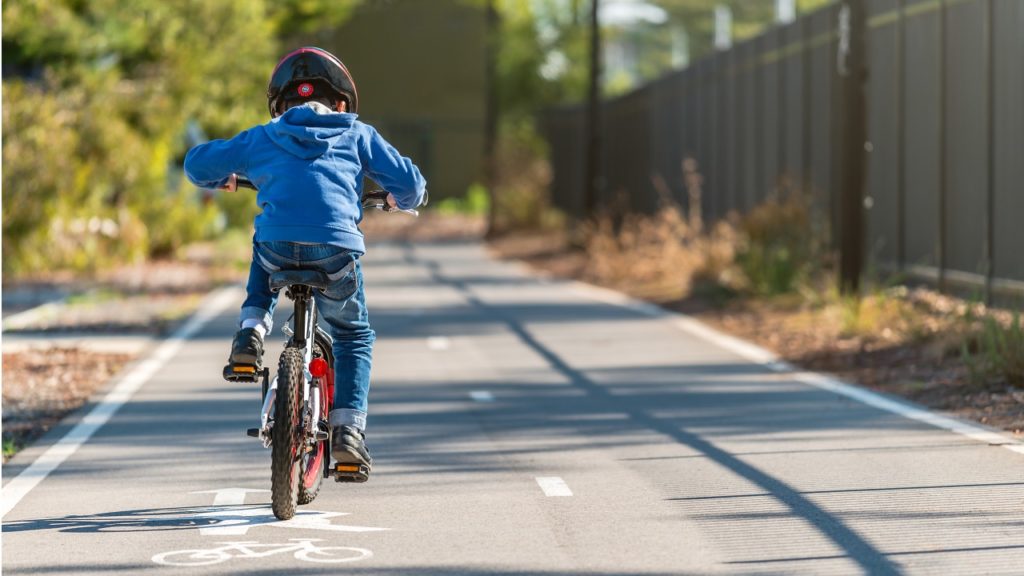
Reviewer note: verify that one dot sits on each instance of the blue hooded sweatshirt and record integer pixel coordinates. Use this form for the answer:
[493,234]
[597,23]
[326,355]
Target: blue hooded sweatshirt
[308,165]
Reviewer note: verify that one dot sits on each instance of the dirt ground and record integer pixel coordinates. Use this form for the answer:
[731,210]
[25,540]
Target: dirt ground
[43,382]
[41,386]
[927,369]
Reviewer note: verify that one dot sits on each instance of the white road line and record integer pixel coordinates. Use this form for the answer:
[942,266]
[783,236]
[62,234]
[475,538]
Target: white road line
[481,396]
[771,361]
[439,343]
[129,383]
[32,315]
[553,486]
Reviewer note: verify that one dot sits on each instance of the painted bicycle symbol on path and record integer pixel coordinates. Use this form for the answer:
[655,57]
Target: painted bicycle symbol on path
[302,549]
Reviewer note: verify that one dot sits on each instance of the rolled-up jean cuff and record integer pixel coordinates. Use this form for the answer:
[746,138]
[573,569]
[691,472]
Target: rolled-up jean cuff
[348,417]
[256,313]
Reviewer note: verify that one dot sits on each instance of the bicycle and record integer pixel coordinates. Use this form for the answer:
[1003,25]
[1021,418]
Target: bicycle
[294,416]
[303,549]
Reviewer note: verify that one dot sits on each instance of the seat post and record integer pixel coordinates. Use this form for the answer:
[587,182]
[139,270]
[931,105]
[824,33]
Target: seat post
[300,295]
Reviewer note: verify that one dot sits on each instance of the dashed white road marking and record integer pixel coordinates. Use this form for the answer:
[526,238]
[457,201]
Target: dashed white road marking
[481,396]
[129,383]
[553,486]
[439,343]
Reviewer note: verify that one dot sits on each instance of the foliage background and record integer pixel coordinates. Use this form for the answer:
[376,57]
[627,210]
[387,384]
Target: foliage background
[96,100]
[101,99]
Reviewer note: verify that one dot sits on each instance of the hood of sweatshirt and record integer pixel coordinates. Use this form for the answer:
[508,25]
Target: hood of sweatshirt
[308,131]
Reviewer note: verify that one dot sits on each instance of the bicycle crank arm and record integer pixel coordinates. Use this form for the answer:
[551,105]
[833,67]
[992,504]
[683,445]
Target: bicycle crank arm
[266,422]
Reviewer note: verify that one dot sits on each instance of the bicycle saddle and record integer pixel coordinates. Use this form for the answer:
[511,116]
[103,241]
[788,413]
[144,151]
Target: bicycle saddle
[285,278]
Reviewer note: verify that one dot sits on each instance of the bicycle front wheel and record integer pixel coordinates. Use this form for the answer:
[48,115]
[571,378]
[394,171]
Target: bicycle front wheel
[286,435]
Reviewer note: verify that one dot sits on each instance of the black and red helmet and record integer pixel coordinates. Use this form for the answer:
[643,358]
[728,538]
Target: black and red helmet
[306,73]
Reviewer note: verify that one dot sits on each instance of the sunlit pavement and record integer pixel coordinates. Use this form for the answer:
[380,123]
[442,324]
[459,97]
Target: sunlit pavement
[520,426]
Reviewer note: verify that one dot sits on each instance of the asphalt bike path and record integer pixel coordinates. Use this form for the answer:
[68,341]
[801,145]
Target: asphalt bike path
[524,426]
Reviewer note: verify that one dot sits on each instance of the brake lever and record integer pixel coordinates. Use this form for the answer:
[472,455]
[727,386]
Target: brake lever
[377,200]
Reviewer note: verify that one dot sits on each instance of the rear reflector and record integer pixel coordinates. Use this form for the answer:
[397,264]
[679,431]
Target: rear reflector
[318,367]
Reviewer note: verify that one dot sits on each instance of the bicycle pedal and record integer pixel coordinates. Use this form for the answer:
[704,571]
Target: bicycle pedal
[241,373]
[351,472]
[253,432]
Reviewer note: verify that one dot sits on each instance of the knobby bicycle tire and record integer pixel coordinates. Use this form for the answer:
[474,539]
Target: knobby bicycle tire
[286,435]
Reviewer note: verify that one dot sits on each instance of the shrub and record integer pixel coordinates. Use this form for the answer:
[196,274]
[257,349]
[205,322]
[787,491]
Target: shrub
[522,173]
[995,350]
[476,202]
[778,249]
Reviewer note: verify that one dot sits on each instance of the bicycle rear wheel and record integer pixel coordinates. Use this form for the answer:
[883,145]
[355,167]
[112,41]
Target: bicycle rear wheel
[286,435]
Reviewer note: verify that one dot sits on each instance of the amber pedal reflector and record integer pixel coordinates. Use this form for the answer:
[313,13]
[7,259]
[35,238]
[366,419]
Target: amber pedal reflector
[346,468]
[243,369]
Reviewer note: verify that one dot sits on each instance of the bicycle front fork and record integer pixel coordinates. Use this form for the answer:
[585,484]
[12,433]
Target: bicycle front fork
[269,395]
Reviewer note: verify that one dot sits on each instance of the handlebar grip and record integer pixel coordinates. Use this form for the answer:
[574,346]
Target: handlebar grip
[376,195]
[375,199]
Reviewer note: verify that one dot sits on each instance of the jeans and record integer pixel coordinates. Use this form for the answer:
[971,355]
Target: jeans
[342,307]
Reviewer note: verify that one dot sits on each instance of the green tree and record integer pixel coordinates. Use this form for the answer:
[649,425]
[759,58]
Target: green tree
[95,103]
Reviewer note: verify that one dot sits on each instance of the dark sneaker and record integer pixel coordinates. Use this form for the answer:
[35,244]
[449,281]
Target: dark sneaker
[348,446]
[247,348]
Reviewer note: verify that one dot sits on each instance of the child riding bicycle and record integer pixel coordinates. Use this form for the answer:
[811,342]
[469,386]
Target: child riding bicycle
[308,164]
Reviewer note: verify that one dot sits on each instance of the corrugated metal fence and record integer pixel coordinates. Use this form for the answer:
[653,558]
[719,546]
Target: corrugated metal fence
[945,94]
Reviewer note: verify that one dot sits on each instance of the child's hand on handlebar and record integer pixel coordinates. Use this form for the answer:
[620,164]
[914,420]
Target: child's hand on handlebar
[392,203]
[232,184]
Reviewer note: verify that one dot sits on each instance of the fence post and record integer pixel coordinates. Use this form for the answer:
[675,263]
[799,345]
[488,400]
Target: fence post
[805,101]
[592,175]
[852,71]
[943,71]
[780,92]
[990,240]
[901,138]
[759,112]
[491,114]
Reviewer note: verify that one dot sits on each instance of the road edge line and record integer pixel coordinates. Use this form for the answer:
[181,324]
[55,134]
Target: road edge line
[128,383]
[773,362]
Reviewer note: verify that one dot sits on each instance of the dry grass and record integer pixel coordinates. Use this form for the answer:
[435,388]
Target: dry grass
[994,348]
[660,256]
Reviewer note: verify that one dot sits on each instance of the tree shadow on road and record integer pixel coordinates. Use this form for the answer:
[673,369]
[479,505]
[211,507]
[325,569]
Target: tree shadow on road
[141,520]
[853,544]
[234,518]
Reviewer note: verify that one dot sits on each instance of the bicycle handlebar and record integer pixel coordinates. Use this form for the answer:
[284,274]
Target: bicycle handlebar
[243,182]
[378,200]
[372,199]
